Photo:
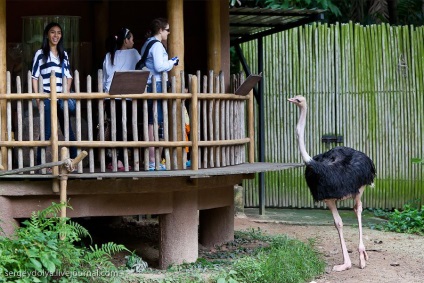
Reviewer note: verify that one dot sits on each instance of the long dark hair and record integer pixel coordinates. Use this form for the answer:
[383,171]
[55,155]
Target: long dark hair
[117,41]
[156,25]
[45,46]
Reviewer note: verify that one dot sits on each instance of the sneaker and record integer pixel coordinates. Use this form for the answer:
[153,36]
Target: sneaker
[152,167]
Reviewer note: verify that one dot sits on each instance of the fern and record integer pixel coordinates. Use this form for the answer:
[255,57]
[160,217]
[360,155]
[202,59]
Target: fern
[47,243]
[105,250]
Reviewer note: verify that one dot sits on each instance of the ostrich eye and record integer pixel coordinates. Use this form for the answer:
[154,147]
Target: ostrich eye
[298,100]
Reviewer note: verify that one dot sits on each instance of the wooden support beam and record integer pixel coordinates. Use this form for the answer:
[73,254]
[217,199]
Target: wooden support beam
[3,76]
[176,37]
[213,30]
[176,48]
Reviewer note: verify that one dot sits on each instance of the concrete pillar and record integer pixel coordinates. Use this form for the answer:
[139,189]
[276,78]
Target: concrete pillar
[238,201]
[178,231]
[216,226]
[7,222]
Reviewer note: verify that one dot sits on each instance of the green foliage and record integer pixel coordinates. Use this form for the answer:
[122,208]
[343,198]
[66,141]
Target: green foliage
[418,161]
[284,260]
[408,220]
[135,263]
[275,259]
[45,249]
[299,4]
[410,12]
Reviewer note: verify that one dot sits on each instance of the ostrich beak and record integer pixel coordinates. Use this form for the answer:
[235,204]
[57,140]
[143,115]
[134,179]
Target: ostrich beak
[292,100]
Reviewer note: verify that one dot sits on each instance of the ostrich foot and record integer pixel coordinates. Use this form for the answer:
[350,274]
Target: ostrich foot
[363,256]
[342,267]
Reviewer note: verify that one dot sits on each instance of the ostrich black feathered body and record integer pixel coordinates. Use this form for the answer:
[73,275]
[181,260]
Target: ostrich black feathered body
[339,173]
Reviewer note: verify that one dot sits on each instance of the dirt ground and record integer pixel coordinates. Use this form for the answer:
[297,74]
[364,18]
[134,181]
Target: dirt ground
[393,257]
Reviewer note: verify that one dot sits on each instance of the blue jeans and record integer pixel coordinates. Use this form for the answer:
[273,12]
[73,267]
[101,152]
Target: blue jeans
[47,128]
[150,103]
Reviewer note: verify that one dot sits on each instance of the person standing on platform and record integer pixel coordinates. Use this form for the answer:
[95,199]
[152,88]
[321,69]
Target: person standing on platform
[157,62]
[52,57]
[121,57]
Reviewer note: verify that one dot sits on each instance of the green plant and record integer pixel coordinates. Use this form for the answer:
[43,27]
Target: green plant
[135,263]
[418,161]
[408,220]
[268,259]
[284,260]
[299,4]
[46,249]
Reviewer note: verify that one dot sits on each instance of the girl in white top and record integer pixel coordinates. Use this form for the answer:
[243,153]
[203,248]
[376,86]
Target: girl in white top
[121,57]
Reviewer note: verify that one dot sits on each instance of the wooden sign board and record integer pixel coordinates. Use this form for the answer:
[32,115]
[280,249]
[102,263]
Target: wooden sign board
[248,84]
[129,82]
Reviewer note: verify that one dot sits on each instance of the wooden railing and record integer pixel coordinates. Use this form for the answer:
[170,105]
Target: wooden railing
[221,126]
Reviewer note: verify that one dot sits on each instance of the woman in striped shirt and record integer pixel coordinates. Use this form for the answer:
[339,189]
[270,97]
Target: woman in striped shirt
[52,57]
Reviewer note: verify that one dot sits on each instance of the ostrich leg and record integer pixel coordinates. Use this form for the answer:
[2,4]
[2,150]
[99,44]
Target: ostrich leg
[358,211]
[347,264]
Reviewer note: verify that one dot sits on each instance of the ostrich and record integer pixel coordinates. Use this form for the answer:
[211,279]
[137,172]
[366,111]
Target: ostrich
[337,174]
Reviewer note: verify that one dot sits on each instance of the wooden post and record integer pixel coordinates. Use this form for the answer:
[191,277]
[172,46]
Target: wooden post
[63,182]
[3,77]
[194,135]
[213,30]
[225,44]
[53,128]
[176,37]
[101,29]
[251,125]
[176,48]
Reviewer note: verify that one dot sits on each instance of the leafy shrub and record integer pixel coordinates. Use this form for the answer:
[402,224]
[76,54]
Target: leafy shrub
[408,220]
[45,249]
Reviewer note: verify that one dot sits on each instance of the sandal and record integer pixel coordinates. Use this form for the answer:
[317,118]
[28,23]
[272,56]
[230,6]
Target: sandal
[120,165]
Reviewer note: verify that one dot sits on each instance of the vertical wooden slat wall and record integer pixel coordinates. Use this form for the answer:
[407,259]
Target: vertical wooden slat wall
[365,83]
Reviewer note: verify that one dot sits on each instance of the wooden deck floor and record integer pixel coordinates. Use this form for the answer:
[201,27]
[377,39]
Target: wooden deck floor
[242,169]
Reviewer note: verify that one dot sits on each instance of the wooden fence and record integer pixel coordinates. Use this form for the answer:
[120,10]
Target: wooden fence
[364,83]
[219,122]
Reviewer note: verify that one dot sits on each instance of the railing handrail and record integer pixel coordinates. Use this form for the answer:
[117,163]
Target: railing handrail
[212,140]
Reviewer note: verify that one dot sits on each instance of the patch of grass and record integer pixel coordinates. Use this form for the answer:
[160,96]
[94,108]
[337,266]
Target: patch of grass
[252,257]
[284,260]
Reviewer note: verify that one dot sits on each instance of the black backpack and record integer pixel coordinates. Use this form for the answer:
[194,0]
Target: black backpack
[142,63]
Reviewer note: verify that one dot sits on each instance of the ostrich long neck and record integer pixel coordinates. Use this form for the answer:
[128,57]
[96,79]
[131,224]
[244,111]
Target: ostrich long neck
[300,129]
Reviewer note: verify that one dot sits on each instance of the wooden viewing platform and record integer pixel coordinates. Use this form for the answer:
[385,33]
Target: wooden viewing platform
[195,205]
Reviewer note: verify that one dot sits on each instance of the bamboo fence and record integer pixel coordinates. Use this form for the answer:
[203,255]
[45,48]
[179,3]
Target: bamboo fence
[218,121]
[364,83]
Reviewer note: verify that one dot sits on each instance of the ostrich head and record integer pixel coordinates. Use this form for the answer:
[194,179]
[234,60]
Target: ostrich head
[299,100]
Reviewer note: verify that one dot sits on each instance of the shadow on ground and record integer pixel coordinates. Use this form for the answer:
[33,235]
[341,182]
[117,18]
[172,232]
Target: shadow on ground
[320,217]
